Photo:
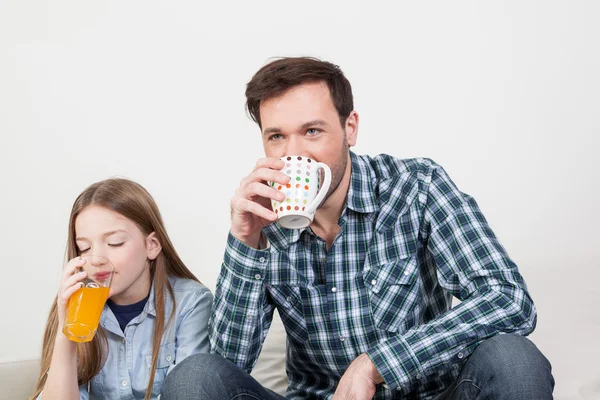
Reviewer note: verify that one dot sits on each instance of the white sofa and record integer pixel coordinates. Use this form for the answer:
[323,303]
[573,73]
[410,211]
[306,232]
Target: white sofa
[17,379]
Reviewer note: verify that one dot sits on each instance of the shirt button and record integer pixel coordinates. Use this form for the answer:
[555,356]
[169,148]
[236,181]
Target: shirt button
[418,376]
[342,338]
[124,383]
[406,273]
[460,354]
[323,260]
[168,358]
[289,299]
[123,340]
[249,314]
[373,282]
[257,276]
[262,259]
[333,289]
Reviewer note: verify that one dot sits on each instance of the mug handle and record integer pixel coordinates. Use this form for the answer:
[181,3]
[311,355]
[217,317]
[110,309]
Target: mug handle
[312,207]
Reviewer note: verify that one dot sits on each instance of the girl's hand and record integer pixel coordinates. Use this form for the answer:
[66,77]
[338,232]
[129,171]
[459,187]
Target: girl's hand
[70,282]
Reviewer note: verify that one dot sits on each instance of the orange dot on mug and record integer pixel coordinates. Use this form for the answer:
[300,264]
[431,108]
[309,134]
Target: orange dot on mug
[297,185]
[278,187]
[289,207]
[288,186]
[280,208]
[296,208]
[306,187]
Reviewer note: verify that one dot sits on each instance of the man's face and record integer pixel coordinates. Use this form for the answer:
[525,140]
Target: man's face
[304,122]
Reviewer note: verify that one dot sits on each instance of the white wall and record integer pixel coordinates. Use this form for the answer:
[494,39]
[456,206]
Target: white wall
[505,95]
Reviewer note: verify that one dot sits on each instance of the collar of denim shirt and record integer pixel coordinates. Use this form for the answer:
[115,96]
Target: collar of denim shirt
[110,323]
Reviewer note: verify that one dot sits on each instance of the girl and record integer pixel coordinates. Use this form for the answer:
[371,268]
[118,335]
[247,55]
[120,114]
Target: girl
[157,312]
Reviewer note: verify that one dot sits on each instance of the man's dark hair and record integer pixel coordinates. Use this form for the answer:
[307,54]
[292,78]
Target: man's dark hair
[278,76]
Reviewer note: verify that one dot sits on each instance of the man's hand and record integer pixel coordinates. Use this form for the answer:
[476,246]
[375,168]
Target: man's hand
[251,204]
[359,380]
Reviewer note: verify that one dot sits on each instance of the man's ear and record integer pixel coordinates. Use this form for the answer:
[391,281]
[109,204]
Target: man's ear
[153,246]
[351,128]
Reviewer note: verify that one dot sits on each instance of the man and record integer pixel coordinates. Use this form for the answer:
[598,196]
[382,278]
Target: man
[364,292]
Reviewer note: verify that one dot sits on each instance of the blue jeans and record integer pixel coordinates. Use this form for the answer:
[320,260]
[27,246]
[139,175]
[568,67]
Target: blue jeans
[504,367]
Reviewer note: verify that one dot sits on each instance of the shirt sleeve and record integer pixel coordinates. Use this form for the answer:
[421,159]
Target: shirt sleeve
[473,266]
[192,333]
[242,314]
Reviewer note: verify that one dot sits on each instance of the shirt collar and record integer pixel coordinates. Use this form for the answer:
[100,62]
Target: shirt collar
[363,181]
[109,321]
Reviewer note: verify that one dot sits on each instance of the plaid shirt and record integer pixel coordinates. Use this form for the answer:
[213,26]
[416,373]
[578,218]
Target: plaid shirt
[409,242]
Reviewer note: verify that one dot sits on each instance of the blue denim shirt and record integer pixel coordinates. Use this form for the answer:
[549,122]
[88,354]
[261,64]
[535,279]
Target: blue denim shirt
[126,373]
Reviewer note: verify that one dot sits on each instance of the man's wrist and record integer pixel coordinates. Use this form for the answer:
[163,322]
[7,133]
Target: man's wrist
[371,369]
[252,241]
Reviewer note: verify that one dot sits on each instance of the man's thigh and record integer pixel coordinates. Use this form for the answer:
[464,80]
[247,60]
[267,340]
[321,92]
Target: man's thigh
[209,376]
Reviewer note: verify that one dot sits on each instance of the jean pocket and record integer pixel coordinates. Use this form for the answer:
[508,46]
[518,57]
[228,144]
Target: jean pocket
[466,389]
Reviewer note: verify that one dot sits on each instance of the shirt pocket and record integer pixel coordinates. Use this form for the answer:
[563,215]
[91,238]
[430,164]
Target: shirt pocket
[393,293]
[166,358]
[288,300]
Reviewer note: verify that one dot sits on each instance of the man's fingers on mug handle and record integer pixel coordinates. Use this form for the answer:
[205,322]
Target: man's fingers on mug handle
[258,189]
[264,175]
[269,162]
[271,175]
[246,205]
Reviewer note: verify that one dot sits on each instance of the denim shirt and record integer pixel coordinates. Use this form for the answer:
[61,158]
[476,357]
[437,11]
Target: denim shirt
[126,373]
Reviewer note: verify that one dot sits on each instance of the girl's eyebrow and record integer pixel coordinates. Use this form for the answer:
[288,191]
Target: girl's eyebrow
[105,235]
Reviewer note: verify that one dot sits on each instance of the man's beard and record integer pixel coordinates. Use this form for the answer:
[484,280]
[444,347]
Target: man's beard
[337,171]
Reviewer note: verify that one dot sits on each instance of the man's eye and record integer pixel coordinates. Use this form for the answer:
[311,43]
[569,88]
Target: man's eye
[313,131]
[276,136]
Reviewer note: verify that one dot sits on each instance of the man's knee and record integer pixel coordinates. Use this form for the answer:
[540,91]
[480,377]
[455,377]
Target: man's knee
[191,377]
[513,351]
[197,365]
[515,362]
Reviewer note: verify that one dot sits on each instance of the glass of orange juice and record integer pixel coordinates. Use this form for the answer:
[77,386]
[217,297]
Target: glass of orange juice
[85,306]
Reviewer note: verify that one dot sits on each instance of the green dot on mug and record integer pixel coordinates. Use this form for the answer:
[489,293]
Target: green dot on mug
[297,178]
[307,180]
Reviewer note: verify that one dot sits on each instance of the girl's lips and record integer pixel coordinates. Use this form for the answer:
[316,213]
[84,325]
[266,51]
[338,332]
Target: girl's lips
[101,276]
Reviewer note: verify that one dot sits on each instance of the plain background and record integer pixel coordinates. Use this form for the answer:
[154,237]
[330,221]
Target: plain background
[505,95]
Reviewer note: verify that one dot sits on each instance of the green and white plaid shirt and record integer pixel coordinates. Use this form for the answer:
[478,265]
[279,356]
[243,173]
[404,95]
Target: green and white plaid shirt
[409,241]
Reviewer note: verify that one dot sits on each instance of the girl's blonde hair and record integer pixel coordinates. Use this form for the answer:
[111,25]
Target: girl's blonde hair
[132,201]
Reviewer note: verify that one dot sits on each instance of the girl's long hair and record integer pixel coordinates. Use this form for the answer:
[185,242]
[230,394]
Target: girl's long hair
[132,201]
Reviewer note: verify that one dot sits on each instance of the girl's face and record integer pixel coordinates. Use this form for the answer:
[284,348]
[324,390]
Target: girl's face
[106,233]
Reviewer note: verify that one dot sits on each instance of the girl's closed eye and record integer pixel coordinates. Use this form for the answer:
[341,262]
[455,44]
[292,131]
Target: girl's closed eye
[116,244]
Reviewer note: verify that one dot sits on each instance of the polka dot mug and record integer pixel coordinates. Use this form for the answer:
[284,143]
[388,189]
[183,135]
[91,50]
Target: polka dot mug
[303,194]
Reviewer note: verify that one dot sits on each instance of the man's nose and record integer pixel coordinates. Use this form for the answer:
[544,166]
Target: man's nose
[295,147]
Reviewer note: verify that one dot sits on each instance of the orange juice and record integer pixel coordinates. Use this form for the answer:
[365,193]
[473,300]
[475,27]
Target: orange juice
[83,313]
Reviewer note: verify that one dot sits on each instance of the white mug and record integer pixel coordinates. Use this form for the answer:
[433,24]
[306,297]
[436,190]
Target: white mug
[303,194]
